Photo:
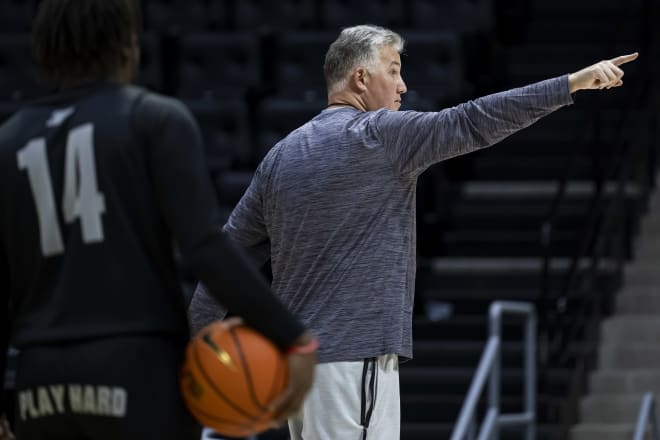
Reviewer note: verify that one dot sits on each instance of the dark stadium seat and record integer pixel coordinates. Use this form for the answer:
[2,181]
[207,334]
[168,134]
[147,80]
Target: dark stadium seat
[452,15]
[224,125]
[231,186]
[18,79]
[218,65]
[268,14]
[184,15]
[299,58]
[15,16]
[278,117]
[432,66]
[150,61]
[342,13]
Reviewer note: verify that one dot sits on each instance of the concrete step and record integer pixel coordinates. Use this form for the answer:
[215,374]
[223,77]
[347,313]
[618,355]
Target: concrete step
[628,355]
[647,248]
[597,431]
[639,301]
[642,273]
[624,381]
[626,328]
[610,408]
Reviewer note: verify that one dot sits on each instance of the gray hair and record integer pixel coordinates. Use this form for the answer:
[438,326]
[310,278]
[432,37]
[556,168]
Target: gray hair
[357,46]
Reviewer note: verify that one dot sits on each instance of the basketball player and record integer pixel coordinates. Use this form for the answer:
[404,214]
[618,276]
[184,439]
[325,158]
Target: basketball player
[96,183]
[333,207]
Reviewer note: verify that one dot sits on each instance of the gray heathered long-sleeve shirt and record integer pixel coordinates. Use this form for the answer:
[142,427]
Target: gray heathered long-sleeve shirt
[333,206]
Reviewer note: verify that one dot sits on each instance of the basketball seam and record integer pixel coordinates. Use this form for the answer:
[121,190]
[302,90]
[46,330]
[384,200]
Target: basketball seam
[232,404]
[248,374]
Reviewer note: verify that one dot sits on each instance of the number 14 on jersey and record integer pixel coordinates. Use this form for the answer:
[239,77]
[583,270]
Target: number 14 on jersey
[80,198]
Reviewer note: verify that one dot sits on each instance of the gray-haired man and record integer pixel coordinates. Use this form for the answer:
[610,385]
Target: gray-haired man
[333,207]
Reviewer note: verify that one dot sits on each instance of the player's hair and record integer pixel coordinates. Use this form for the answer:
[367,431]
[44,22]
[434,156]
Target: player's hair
[357,46]
[75,40]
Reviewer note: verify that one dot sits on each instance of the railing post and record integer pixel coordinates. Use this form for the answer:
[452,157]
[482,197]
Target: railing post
[489,369]
[646,415]
[494,383]
[530,375]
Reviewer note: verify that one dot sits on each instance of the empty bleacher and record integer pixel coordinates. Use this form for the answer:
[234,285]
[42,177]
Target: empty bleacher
[251,72]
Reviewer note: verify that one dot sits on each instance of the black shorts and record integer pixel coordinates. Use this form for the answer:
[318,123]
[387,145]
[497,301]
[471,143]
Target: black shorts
[117,388]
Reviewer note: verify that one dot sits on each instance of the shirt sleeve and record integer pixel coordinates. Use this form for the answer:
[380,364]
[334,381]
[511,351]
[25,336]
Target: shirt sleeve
[203,310]
[416,140]
[187,200]
[246,224]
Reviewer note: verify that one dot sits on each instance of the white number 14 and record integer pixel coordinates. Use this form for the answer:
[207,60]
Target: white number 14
[81,198]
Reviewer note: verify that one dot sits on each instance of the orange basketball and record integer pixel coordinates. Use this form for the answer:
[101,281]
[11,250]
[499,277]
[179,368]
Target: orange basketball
[229,377]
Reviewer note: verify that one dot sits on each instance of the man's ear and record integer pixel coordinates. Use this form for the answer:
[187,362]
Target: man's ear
[359,79]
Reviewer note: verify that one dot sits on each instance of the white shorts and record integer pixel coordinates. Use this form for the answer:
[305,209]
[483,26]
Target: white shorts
[352,401]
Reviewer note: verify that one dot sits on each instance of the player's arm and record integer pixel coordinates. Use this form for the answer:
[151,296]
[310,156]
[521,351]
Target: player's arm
[187,200]
[414,141]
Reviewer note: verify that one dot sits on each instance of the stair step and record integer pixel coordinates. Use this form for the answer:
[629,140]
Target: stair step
[498,243]
[505,272]
[602,431]
[624,381]
[436,431]
[516,190]
[463,354]
[445,409]
[638,301]
[463,328]
[610,408]
[456,381]
[626,328]
[628,355]
[642,273]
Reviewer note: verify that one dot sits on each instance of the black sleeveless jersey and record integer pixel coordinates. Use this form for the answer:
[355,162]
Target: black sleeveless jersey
[96,185]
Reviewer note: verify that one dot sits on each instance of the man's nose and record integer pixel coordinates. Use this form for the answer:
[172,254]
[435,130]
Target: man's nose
[402,88]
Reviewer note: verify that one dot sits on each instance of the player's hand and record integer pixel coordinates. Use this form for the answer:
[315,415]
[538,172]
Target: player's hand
[603,75]
[5,432]
[301,378]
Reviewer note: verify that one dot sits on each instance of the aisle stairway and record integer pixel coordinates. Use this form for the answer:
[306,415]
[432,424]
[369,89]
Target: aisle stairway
[485,228]
[629,353]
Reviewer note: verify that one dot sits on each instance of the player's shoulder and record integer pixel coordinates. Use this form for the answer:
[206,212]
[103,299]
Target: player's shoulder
[154,109]
[12,128]
[7,125]
[156,103]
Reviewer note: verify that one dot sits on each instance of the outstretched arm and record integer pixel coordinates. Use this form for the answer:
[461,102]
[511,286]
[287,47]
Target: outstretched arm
[416,140]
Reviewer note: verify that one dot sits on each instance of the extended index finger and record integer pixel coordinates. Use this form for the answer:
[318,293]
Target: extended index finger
[623,59]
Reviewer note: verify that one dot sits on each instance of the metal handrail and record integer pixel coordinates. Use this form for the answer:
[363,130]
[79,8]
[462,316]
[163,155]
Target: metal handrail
[647,415]
[490,369]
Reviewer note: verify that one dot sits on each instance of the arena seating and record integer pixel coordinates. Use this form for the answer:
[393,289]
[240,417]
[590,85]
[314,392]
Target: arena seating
[251,71]
[218,65]
[17,75]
